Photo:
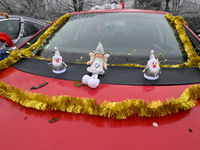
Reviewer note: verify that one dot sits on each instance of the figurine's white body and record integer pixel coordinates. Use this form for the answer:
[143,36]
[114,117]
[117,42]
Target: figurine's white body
[58,65]
[98,62]
[151,72]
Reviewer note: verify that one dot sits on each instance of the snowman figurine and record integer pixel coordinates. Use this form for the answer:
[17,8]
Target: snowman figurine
[151,72]
[58,65]
[98,62]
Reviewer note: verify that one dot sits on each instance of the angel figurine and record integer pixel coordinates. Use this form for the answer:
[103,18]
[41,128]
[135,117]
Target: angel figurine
[98,62]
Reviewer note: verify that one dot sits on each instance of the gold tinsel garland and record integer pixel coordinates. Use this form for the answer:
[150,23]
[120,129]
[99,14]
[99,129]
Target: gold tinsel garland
[118,110]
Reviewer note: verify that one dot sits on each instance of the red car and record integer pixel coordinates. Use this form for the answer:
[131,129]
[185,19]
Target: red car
[44,109]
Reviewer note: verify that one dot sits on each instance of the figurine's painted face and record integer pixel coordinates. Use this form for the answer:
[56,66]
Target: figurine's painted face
[57,60]
[98,55]
[154,64]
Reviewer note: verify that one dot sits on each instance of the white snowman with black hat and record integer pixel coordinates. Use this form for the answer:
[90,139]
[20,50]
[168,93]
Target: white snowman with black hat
[58,65]
[98,62]
[151,72]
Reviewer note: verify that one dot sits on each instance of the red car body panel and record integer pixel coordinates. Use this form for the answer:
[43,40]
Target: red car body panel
[109,92]
[26,128]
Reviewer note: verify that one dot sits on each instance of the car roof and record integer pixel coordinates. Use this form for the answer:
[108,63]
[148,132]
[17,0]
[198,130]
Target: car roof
[121,10]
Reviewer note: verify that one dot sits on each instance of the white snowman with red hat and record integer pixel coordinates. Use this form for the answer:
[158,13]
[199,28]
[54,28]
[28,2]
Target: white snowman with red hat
[151,72]
[5,39]
[58,65]
[98,62]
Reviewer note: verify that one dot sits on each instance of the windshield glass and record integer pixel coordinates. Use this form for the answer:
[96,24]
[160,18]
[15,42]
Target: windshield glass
[127,37]
[10,27]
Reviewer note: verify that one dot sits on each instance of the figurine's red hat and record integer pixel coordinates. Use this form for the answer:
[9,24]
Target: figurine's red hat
[5,38]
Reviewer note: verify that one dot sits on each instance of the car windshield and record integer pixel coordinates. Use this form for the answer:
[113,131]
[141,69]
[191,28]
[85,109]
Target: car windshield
[127,37]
